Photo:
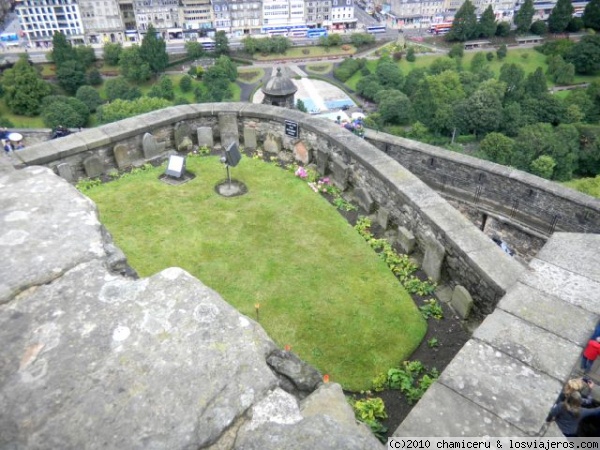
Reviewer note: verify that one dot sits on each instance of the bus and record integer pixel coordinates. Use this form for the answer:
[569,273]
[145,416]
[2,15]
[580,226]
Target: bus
[440,28]
[207,44]
[316,32]
[376,29]
[298,32]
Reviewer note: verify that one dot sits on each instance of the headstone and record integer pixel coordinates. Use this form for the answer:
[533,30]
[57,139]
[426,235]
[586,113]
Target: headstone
[65,171]
[272,144]
[383,217]
[182,131]
[205,137]
[151,147]
[249,138]
[364,199]
[228,128]
[434,257]
[185,145]
[406,240]
[462,302]
[124,156]
[340,173]
[94,167]
[301,153]
[322,160]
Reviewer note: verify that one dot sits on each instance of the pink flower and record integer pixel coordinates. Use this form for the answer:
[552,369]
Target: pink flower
[301,172]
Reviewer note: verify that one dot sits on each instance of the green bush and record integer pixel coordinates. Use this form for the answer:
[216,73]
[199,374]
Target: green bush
[347,68]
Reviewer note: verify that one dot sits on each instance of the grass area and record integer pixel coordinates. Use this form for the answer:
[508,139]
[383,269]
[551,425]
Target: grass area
[319,68]
[250,76]
[589,186]
[321,288]
[309,52]
[20,121]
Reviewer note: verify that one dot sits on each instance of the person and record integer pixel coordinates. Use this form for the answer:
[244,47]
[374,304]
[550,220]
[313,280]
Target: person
[7,146]
[589,427]
[590,354]
[568,413]
[583,386]
[596,332]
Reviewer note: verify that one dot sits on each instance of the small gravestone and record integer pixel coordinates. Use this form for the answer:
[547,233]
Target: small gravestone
[182,132]
[228,129]
[93,166]
[249,138]
[364,199]
[272,144]
[301,153]
[383,217]
[322,160]
[186,145]
[65,171]
[151,147]
[462,302]
[205,137]
[406,240]
[340,173]
[434,257]
[124,156]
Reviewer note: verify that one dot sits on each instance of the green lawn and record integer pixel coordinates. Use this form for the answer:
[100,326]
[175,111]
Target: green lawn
[316,51]
[321,288]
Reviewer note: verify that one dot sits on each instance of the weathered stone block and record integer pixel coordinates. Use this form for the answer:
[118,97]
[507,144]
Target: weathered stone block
[406,240]
[124,156]
[461,301]
[250,141]
[228,127]
[322,160]
[340,173]
[185,145]
[383,216]
[272,144]
[205,137]
[65,171]
[182,131]
[434,257]
[364,199]
[151,147]
[93,166]
[301,153]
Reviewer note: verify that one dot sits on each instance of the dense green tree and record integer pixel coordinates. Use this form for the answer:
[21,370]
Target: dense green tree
[394,107]
[163,89]
[122,109]
[361,39]
[498,148]
[575,25]
[85,55]
[389,74]
[154,51]
[221,43]
[66,111]
[513,76]
[478,63]
[195,50]
[369,86]
[565,151]
[62,50]
[331,40]
[487,23]
[464,25]
[300,106]
[457,51]
[503,29]
[580,98]
[112,53]
[185,84]
[535,83]
[94,77]
[442,64]
[24,88]
[119,88]
[560,16]
[573,114]
[561,72]
[413,79]
[524,16]
[481,113]
[410,54]
[502,52]
[545,108]
[216,83]
[589,149]
[90,97]
[71,76]
[228,67]
[512,119]
[280,44]
[591,15]
[539,27]
[133,67]
[543,166]
[585,55]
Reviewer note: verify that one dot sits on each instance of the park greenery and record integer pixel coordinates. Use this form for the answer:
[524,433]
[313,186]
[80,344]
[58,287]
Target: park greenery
[354,328]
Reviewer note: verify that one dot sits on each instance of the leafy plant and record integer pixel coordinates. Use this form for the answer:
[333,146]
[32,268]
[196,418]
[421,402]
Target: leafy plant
[204,151]
[433,342]
[432,308]
[379,383]
[87,184]
[369,411]
[343,204]
[407,380]
[416,286]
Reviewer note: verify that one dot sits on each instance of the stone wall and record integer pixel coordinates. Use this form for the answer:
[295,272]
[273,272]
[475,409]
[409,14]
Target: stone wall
[534,202]
[455,251]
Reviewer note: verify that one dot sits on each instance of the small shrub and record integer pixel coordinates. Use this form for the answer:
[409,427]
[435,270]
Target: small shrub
[369,411]
[87,184]
[410,54]
[398,56]
[489,56]
[305,51]
[432,308]
[433,342]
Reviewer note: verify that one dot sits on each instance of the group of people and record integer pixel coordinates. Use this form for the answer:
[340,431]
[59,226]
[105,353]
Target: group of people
[576,412]
[7,144]
[355,126]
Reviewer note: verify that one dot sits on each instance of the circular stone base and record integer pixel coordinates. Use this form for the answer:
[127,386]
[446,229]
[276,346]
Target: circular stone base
[231,188]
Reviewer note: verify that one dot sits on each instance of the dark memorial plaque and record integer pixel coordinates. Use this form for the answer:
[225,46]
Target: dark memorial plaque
[291,129]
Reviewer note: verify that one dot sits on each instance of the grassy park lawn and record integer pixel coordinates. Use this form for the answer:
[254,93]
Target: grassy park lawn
[313,52]
[321,288]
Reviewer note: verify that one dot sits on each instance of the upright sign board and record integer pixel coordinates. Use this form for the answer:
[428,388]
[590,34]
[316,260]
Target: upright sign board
[292,129]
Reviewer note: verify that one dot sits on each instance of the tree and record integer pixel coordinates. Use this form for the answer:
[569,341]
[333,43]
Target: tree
[369,86]
[153,51]
[163,89]
[300,106]
[539,27]
[85,55]
[185,84]
[413,79]
[66,111]
[524,16]
[394,107]
[575,25]
[133,67]
[535,84]
[389,75]
[443,64]
[24,88]
[62,50]
[478,63]
[361,39]
[502,52]
[122,109]
[487,23]
[498,148]
[464,25]
[482,112]
[591,15]
[410,54]
[216,82]
[89,96]
[119,88]
[543,166]
[112,53]
[228,67]
[585,55]
[94,77]
[457,51]
[560,16]
[513,76]
[70,76]
[195,50]
[221,43]
[503,29]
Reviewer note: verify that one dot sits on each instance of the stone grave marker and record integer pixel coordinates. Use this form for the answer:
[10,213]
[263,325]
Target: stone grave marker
[301,153]
[406,240]
[322,160]
[151,147]
[124,156]
[182,131]
[65,171]
[250,138]
[228,127]
[434,257]
[93,166]
[462,302]
[340,173]
[272,144]
[205,137]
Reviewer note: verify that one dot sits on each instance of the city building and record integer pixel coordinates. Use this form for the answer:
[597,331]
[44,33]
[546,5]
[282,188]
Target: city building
[162,14]
[342,14]
[277,13]
[222,15]
[246,17]
[318,13]
[40,19]
[417,13]
[196,18]
[102,21]
[128,19]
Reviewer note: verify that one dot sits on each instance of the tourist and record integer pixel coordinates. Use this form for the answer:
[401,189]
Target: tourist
[590,354]
[596,332]
[568,413]
[7,146]
[583,386]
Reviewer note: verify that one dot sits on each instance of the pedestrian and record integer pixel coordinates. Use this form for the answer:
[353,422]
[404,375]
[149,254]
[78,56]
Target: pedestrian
[596,332]
[568,413]
[590,354]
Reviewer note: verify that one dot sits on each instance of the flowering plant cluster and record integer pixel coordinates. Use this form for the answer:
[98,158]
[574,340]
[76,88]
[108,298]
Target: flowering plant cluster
[301,173]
